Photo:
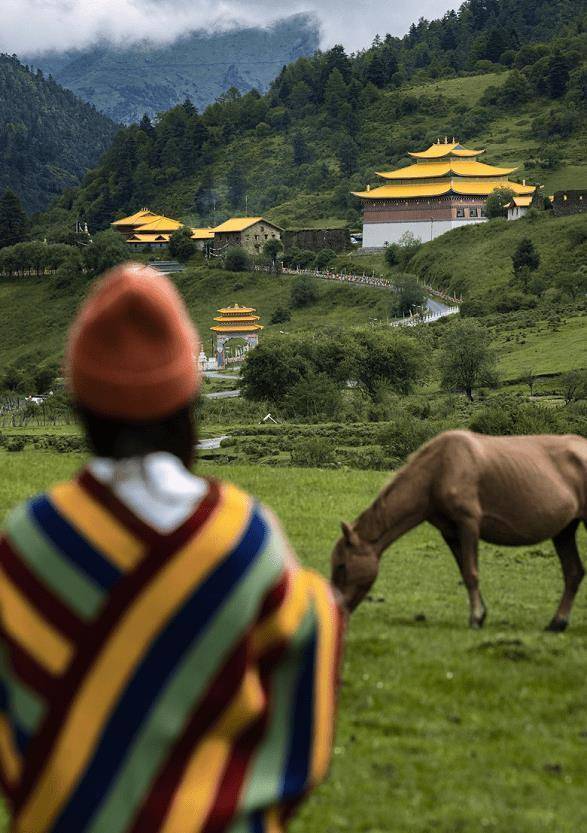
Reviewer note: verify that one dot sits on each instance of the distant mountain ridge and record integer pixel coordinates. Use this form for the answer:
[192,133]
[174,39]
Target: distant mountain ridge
[150,78]
[48,137]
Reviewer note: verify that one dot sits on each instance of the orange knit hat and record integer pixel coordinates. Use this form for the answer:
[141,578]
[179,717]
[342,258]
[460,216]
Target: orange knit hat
[131,349]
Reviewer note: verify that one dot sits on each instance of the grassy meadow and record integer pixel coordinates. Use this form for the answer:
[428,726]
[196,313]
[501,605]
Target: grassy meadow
[440,728]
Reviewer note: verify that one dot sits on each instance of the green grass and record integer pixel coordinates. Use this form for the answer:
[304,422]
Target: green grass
[545,350]
[479,257]
[34,317]
[440,729]
[468,89]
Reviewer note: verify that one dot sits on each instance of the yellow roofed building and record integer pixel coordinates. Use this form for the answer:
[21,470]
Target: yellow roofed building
[446,186]
[251,233]
[235,322]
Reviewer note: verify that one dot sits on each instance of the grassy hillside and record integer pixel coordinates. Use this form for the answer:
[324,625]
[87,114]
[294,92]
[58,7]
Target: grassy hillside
[477,260]
[439,728]
[34,316]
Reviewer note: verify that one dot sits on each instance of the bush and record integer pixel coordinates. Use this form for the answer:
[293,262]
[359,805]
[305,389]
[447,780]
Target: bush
[181,245]
[304,292]
[280,315]
[324,258]
[313,451]
[14,444]
[503,417]
[236,259]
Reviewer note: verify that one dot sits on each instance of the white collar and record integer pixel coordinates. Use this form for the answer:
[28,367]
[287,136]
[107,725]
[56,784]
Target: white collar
[157,488]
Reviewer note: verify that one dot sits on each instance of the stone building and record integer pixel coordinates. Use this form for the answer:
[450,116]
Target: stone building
[314,239]
[251,233]
[569,202]
[444,187]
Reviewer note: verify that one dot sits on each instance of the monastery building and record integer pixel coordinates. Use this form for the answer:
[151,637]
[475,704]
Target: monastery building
[444,187]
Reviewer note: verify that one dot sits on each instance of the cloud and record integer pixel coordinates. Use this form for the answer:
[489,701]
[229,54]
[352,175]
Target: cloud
[30,26]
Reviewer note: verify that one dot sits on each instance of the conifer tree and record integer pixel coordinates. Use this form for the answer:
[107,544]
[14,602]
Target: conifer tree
[13,220]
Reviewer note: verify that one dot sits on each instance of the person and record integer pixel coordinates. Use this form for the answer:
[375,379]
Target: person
[167,664]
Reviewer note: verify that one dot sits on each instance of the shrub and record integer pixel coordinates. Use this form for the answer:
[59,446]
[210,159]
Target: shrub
[304,292]
[181,244]
[324,258]
[14,444]
[280,315]
[236,259]
[312,451]
[503,417]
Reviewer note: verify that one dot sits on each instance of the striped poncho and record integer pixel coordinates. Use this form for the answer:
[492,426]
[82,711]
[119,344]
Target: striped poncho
[172,682]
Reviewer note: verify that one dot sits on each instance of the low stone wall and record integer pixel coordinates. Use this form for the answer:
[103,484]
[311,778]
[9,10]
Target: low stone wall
[315,239]
[569,202]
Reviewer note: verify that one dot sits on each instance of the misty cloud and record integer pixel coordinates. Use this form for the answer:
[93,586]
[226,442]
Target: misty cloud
[30,26]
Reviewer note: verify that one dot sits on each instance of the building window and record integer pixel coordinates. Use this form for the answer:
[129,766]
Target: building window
[473,212]
[460,212]
[266,236]
[483,212]
[256,237]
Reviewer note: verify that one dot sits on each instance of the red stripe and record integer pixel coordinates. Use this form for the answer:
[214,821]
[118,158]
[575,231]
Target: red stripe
[274,599]
[41,598]
[152,813]
[230,785]
[122,597]
[27,669]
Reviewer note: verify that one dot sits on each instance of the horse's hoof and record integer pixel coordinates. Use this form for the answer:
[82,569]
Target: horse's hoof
[557,625]
[476,624]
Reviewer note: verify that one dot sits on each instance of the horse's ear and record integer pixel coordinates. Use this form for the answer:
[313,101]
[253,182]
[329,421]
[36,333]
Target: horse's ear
[349,534]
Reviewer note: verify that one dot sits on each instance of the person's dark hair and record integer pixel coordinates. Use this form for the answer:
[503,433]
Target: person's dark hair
[119,439]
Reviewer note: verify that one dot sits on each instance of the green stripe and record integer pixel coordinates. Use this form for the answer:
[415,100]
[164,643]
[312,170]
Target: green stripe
[169,715]
[27,707]
[47,562]
[266,777]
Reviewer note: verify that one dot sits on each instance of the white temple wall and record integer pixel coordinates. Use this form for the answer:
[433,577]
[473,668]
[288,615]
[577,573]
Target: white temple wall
[378,235]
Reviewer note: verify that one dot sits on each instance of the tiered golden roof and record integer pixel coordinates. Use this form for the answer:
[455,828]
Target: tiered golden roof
[445,168]
[237,319]
[142,216]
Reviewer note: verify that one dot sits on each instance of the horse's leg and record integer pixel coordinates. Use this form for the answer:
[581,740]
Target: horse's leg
[573,572]
[464,547]
[469,544]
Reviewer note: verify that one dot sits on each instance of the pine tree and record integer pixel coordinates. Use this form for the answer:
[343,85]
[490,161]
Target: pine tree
[525,256]
[13,220]
[558,76]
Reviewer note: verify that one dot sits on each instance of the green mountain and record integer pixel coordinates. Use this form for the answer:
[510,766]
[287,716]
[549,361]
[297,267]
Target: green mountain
[48,137]
[328,122]
[149,78]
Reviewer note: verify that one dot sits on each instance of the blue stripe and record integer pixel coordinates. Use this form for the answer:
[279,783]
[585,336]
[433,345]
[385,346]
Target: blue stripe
[155,671]
[298,759]
[72,545]
[257,822]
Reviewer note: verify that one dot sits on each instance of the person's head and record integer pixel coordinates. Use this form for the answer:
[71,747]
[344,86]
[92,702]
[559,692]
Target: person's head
[131,366]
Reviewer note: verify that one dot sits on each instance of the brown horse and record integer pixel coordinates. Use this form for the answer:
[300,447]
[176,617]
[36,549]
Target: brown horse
[510,491]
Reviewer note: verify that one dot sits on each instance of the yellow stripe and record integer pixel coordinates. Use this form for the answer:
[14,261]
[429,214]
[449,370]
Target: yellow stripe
[9,757]
[102,688]
[325,676]
[286,619]
[27,627]
[273,822]
[97,525]
[197,789]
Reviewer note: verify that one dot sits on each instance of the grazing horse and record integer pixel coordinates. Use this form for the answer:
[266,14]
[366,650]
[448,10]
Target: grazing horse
[510,491]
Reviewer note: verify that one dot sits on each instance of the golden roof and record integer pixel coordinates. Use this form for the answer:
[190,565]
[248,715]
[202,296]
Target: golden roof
[237,328]
[160,223]
[238,224]
[520,202]
[467,187]
[153,237]
[236,309]
[202,234]
[445,148]
[144,215]
[242,318]
[457,167]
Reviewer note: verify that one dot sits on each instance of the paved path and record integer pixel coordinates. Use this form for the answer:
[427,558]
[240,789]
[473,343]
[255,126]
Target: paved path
[212,442]
[223,394]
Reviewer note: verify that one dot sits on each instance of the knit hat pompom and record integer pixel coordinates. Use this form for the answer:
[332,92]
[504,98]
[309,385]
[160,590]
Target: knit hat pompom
[131,352]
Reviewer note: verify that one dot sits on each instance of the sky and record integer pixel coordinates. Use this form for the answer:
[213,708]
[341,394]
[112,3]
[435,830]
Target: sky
[30,26]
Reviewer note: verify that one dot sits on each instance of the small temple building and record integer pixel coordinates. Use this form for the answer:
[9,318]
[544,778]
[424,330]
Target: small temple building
[235,322]
[446,186]
[146,230]
[251,233]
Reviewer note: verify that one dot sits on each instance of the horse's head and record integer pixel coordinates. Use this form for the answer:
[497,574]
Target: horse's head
[355,565]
